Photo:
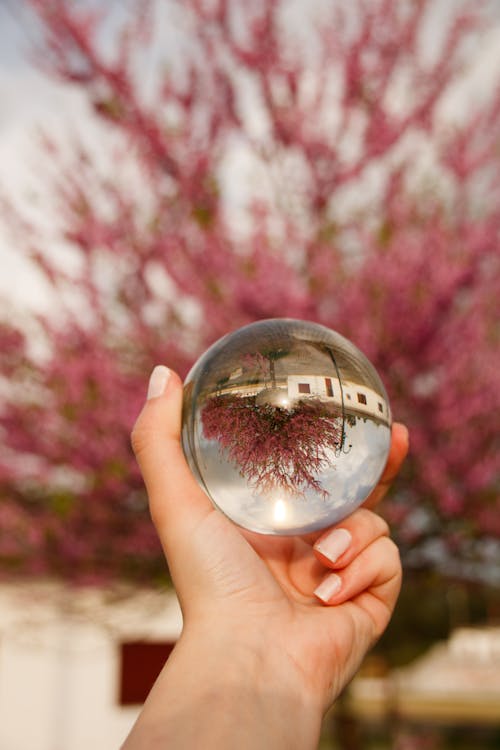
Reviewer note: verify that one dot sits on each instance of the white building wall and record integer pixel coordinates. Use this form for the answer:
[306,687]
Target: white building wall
[350,391]
[59,664]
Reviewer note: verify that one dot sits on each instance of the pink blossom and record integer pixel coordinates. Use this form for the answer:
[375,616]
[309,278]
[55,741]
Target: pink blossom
[409,271]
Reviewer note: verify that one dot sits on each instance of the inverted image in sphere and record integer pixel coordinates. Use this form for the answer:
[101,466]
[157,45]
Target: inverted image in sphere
[286,426]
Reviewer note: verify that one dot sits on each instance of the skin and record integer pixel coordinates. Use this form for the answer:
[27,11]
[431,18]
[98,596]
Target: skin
[261,657]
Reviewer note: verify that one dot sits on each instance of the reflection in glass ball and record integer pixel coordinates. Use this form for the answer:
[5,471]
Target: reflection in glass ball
[286,426]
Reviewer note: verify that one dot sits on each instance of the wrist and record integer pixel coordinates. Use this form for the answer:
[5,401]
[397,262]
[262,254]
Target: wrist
[232,692]
[249,675]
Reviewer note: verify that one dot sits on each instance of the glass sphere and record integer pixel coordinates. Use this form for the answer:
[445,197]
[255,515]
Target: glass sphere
[286,426]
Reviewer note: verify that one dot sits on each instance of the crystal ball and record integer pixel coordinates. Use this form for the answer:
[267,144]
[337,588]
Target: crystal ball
[286,426]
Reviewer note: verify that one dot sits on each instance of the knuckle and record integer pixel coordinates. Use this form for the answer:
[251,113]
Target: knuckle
[140,438]
[383,526]
[374,522]
[390,547]
[363,516]
[380,626]
[392,551]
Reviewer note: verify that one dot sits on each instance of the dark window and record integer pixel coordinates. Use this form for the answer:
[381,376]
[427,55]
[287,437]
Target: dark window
[380,407]
[349,396]
[361,398]
[328,385]
[140,664]
[304,388]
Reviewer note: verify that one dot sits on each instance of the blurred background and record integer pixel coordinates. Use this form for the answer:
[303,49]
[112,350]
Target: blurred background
[170,171]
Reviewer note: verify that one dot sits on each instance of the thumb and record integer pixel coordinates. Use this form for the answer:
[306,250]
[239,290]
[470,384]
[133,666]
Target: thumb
[177,503]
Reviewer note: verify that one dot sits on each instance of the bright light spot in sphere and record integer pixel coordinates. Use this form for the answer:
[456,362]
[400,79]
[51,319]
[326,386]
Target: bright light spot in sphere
[279,512]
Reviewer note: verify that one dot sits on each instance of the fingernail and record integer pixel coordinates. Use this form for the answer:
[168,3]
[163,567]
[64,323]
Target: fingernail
[335,544]
[328,587]
[158,381]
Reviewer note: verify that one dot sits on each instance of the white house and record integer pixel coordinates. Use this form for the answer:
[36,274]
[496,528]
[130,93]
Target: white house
[75,664]
[355,398]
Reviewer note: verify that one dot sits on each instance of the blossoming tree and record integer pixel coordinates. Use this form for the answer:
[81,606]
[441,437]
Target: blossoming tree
[308,166]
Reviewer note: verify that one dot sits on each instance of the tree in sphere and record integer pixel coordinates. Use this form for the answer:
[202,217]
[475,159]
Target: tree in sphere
[275,448]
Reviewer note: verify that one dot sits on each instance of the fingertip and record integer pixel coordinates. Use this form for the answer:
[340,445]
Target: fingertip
[328,588]
[163,382]
[158,382]
[398,450]
[401,436]
[332,545]
[160,417]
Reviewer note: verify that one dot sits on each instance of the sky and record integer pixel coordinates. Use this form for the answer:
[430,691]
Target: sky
[29,99]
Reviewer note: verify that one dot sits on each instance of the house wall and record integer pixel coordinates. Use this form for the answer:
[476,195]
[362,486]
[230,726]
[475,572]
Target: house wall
[375,406]
[60,664]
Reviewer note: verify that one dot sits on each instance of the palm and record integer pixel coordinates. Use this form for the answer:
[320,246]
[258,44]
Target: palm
[316,637]
[292,564]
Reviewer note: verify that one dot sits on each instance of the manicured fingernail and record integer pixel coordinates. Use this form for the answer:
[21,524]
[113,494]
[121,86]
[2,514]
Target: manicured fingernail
[328,587]
[335,544]
[158,381]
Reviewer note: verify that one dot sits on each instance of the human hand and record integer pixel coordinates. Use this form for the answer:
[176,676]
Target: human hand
[268,597]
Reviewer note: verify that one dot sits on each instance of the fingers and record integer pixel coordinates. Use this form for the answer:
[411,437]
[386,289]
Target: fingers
[365,564]
[397,454]
[176,501]
[352,539]
[372,581]
[339,546]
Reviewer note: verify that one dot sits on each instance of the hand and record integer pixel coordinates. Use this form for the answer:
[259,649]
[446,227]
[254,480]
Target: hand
[305,610]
